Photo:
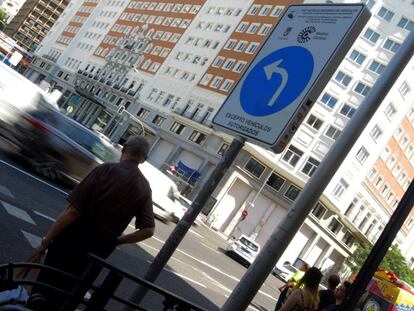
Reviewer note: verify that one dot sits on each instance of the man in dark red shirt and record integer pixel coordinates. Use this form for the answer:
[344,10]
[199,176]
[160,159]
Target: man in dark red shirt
[100,208]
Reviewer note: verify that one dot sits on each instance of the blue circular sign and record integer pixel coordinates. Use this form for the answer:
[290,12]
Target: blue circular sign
[276,81]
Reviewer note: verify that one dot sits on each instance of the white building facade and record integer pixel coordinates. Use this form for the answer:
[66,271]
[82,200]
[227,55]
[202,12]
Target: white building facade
[190,57]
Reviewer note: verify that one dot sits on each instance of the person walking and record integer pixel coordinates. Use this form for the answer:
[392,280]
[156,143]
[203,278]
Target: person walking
[327,296]
[100,208]
[306,298]
[286,289]
[340,294]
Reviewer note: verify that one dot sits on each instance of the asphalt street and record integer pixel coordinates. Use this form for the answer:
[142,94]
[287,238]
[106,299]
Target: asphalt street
[199,271]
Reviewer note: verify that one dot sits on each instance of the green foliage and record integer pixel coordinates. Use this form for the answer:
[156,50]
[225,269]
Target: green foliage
[393,261]
[3,19]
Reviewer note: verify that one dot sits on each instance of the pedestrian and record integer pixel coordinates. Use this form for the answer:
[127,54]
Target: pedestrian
[286,289]
[340,294]
[306,298]
[327,296]
[99,210]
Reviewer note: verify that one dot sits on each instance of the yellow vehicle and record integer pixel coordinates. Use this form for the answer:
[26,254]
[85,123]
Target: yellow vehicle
[386,293]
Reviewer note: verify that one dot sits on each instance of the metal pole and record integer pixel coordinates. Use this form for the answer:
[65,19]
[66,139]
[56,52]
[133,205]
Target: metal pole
[187,220]
[283,234]
[379,250]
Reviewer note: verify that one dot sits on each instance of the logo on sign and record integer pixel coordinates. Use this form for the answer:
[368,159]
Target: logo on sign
[303,36]
[276,81]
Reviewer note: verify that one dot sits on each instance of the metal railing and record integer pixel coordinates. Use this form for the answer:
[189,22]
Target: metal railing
[101,295]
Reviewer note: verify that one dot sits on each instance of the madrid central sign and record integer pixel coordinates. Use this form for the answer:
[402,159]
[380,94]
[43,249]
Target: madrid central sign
[290,71]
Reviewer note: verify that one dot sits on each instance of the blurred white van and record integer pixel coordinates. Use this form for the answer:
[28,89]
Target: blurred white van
[165,194]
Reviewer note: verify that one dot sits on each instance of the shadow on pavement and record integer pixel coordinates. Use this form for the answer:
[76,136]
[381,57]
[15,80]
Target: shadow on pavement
[127,260]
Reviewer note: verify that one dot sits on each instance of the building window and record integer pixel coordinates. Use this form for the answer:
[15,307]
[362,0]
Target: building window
[292,192]
[385,14]
[292,155]
[227,85]
[143,113]
[333,132]
[177,128]
[314,122]
[254,167]
[228,64]
[371,35]
[343,78]
[206,79]
[223,149]
[340,188]
[275,181]
[404,88]
[216,82]
[329,100]
[197,137]
[357,57]
[391,45]
[347,111]
[158,120]
[239,66]
[335,226]
[218,62]
[406,24]
[348,239]
[390,111]
[376,132]
[310,166]
[362,155]
[318,211]
[362,89]
[376,67]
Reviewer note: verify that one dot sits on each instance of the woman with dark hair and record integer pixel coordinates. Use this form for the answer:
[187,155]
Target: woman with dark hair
[306,298]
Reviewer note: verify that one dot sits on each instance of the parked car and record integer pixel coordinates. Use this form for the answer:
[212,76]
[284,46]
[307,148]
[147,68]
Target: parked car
[243,250]
[54,145]
[284,272]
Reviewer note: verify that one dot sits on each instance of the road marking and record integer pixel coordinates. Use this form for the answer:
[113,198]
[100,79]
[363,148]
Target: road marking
[6,192]
[209,247]
[180,275]
[197,234]
[17,212]
[34,177]
[44,216]
[33,240]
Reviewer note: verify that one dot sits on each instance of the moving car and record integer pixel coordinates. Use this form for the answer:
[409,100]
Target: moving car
[243,250]
[53,144]
[284,272]
[168,204]
[185,205]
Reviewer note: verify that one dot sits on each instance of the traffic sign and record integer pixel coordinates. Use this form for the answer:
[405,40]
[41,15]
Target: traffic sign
[290,71]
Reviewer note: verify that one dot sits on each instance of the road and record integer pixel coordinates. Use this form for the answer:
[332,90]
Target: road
[199,271]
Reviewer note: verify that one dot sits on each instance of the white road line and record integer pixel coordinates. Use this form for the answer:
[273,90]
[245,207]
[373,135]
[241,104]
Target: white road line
[33,240]
[210,248]
[44,216]
[6,192]
[34,177]
[197,234]
[181,276]
[18,213]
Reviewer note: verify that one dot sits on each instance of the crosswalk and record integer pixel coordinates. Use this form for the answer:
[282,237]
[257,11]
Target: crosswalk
[26,226]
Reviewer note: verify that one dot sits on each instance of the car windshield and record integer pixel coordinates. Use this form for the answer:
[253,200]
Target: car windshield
[249,244]
[183,202]
[77,133]
[290,268]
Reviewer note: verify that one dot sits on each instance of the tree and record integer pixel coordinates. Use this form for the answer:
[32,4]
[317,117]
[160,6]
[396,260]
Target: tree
[3,19]
[393,261]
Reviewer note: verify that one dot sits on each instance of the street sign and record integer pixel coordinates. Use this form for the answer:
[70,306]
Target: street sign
[290,71]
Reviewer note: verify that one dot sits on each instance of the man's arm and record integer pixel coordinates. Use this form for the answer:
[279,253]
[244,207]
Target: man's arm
[69,215]
[136,236]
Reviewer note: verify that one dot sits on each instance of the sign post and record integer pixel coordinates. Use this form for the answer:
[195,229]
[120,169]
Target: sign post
[290,224]
[290,71]
[272,98]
